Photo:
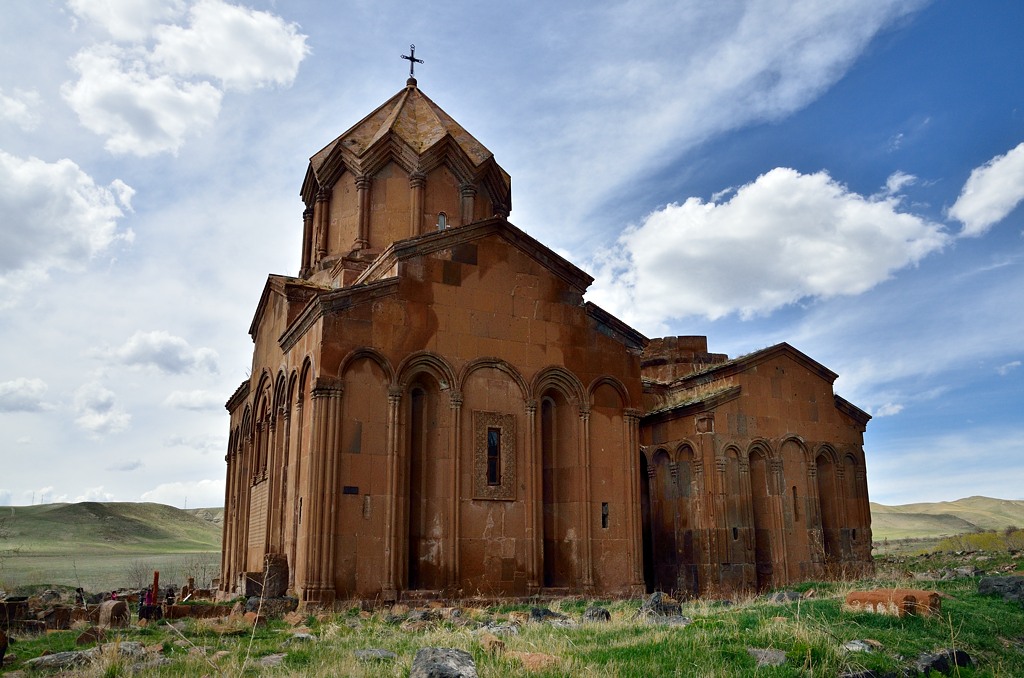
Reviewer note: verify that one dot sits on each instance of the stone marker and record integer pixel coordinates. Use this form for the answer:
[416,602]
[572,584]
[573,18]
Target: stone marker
[597,614]
[113,614]
[375,654]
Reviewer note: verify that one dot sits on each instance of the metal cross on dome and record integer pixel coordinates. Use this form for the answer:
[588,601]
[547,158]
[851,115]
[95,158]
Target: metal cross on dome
[412,60]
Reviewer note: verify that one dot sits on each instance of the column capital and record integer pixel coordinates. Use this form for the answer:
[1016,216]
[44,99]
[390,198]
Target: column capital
[328,387]
[467,190]
[531,406]
[454,399]
[363,182]
[417,180]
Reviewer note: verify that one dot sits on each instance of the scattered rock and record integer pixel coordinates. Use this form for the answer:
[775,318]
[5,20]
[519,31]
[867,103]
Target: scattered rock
[500,629]
[91,636]
[597,614]
[767,656]
[1010,588]
[669,620]
[375,655]
[59,661]
[534,661]
[423,615]
[301,638]
[295,618]
[271,660]
[943,661]
[443,662]
[491,643]
[857,646]
[542,614]
[784,597]
[275,575]
[253,619]
[519,617]
[660,605]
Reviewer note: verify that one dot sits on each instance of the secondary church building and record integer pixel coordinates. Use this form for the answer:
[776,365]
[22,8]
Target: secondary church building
[435,409]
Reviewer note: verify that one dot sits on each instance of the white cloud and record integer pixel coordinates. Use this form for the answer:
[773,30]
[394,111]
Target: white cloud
[202,444]
[97,410]
[94,494]
[55,217]
[127,19]
[20,108]
[241,47]
[198,493]
[888,410]
[785,237]
[991,192]
[147,102]
[195,400]
[1004,370]
[140,113]
[897,181]
[22,395]
[164,351]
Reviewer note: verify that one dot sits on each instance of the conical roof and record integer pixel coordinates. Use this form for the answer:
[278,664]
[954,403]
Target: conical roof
[411,116]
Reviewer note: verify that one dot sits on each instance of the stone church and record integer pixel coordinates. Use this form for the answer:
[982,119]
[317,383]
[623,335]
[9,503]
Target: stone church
[434,409]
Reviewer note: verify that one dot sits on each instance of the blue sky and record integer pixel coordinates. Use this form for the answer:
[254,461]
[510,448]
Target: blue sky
[843,176]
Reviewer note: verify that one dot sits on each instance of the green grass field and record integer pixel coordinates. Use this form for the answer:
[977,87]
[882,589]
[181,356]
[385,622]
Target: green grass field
[103,546]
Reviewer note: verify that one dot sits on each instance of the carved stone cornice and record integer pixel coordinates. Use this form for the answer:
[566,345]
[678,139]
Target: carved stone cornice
[454,399]
[328,387]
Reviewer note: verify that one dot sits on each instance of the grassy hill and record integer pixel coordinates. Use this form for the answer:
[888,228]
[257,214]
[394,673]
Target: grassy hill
[104,545]
[945,518]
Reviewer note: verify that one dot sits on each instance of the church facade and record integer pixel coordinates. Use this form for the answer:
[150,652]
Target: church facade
[434,407]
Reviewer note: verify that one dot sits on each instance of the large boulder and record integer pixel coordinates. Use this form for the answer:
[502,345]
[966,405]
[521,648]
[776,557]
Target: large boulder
[1010,588]
[443,662]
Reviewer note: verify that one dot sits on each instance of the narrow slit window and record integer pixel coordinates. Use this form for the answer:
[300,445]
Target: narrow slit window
[796,504]
[604,515]
[494,456]
[442,221]
[735,533]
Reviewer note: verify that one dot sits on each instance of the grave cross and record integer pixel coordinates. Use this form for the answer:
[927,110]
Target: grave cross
[412,60]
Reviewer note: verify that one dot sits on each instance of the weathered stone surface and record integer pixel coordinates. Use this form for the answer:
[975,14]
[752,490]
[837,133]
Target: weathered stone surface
[1010,588]
[59,661]
[374,654]
[896,602]
[767,656]
[543,614]
[784,597]
[114,614]
[272,660]
[499,629]
[491,643]
[597,614]
[272,607]
[275,575]
[91,636]
[943,661]
[443,662]
[535,661]
[660,605]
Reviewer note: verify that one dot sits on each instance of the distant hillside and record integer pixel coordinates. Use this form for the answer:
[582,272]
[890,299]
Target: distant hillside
[213,515]
[95,527]
[945,518]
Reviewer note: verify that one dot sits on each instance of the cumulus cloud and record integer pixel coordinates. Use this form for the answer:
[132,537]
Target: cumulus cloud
[127,19]
[98,412]
[241,47]
[138,112]
[55,217]
[148,101]
[20,108]
[202,444]
[194,400]
[22,395]
[785,237]
[198,493]
[162,350]
[991,192]
[95,494]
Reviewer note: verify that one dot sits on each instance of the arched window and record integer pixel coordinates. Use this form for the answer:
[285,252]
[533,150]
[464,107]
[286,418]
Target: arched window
[442,221]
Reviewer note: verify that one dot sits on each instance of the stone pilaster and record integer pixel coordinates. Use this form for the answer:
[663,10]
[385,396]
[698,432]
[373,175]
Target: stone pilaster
[363,193]
[417,183]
